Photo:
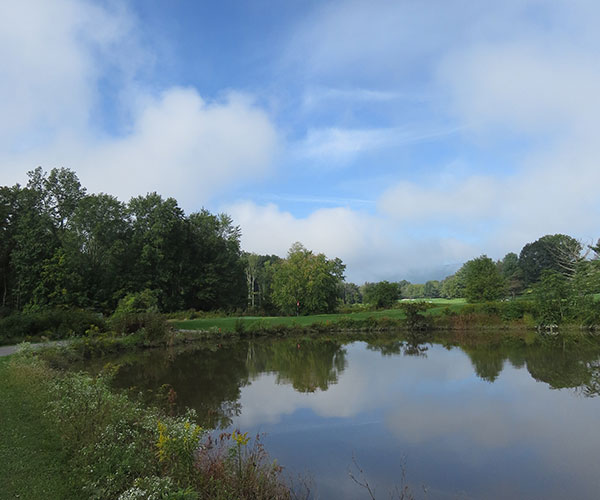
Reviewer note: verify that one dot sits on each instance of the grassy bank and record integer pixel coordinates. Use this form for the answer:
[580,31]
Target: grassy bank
[68,435]
[437,314]
[33,464]
[229,323]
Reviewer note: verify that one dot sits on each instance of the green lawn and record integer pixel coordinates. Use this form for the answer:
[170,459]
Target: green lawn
[227,324]
[32,462]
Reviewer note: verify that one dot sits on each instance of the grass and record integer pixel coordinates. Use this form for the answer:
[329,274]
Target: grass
[68,435]
[228,324]
[32,461]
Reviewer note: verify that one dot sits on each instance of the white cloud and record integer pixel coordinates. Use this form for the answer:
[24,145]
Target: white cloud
[337,232]
[185,147]
[530,86]
[539,85]
[472,198]
[339,145]
[56,56]
[316,96]
[372,247]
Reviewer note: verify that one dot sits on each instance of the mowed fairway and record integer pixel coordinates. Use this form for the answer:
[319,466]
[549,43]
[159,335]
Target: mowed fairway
[228,323]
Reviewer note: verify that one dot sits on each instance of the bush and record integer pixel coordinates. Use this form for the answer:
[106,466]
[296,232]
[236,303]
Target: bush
[152,325]
[138,302]
[50,323]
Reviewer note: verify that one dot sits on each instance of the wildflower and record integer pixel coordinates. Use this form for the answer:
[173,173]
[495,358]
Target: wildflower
[240,439]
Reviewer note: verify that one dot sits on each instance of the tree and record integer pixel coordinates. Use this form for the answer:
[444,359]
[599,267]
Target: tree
[482,280]
[60,193]
[259,277]
[382,294]
[553,297]
[307,283]
[90,267]
[512,273]
[351,294]
[213,274]
[432,289]
[452,287]
[157,246]
[252,269]
[34,242]
[413,291]
[557,252]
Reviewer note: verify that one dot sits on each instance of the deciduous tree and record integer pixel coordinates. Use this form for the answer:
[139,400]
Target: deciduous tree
[307,283]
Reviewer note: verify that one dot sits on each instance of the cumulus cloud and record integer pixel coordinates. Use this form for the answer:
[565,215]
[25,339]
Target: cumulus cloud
[372,247]
[181,145]
[52,55]
[517,73]
[56,56]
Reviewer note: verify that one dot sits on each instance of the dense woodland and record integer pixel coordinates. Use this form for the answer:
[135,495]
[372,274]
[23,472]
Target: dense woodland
[63,248]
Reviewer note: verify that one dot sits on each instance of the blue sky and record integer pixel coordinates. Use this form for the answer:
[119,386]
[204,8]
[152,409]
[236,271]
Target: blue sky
[404,137]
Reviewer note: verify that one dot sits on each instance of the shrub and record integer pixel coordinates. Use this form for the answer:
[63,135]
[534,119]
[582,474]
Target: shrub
[138,302]
[49,323]
[415,320]
[152,325]
[120,449]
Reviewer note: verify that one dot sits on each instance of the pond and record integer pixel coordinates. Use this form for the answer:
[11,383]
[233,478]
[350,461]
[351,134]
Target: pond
[500,418]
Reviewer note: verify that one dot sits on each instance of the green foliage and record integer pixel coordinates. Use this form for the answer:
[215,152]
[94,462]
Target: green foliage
[453,286]
[413,291]
[382,294]
[138,312]
[176,445]
[157,488]
[152,326]
[307,283]
[139,302]
[61,247]
[415,320]
[351,294]
[557,252]
[259,271]
[512,273]
[49,323]
[482,280]
[432,289]
[553,297]
[117,448]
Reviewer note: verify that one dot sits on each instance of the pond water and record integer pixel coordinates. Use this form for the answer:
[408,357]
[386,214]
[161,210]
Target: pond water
[495,420]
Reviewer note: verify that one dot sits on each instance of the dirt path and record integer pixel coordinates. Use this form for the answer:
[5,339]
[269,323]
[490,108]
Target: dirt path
[7,350]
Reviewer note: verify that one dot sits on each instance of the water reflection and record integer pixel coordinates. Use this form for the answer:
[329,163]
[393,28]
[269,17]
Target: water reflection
[559,363]
[307,365]
[209,377]
[476,417]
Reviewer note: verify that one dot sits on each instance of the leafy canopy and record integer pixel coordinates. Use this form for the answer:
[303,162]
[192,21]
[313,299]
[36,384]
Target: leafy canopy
[307,283]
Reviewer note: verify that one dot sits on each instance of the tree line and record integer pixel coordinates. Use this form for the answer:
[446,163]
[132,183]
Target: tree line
[557,273]
[62,247]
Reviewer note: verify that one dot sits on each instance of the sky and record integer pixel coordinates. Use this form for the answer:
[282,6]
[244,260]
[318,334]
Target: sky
[404,137]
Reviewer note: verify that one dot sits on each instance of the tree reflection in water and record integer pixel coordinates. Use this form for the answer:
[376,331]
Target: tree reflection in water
[209,376]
